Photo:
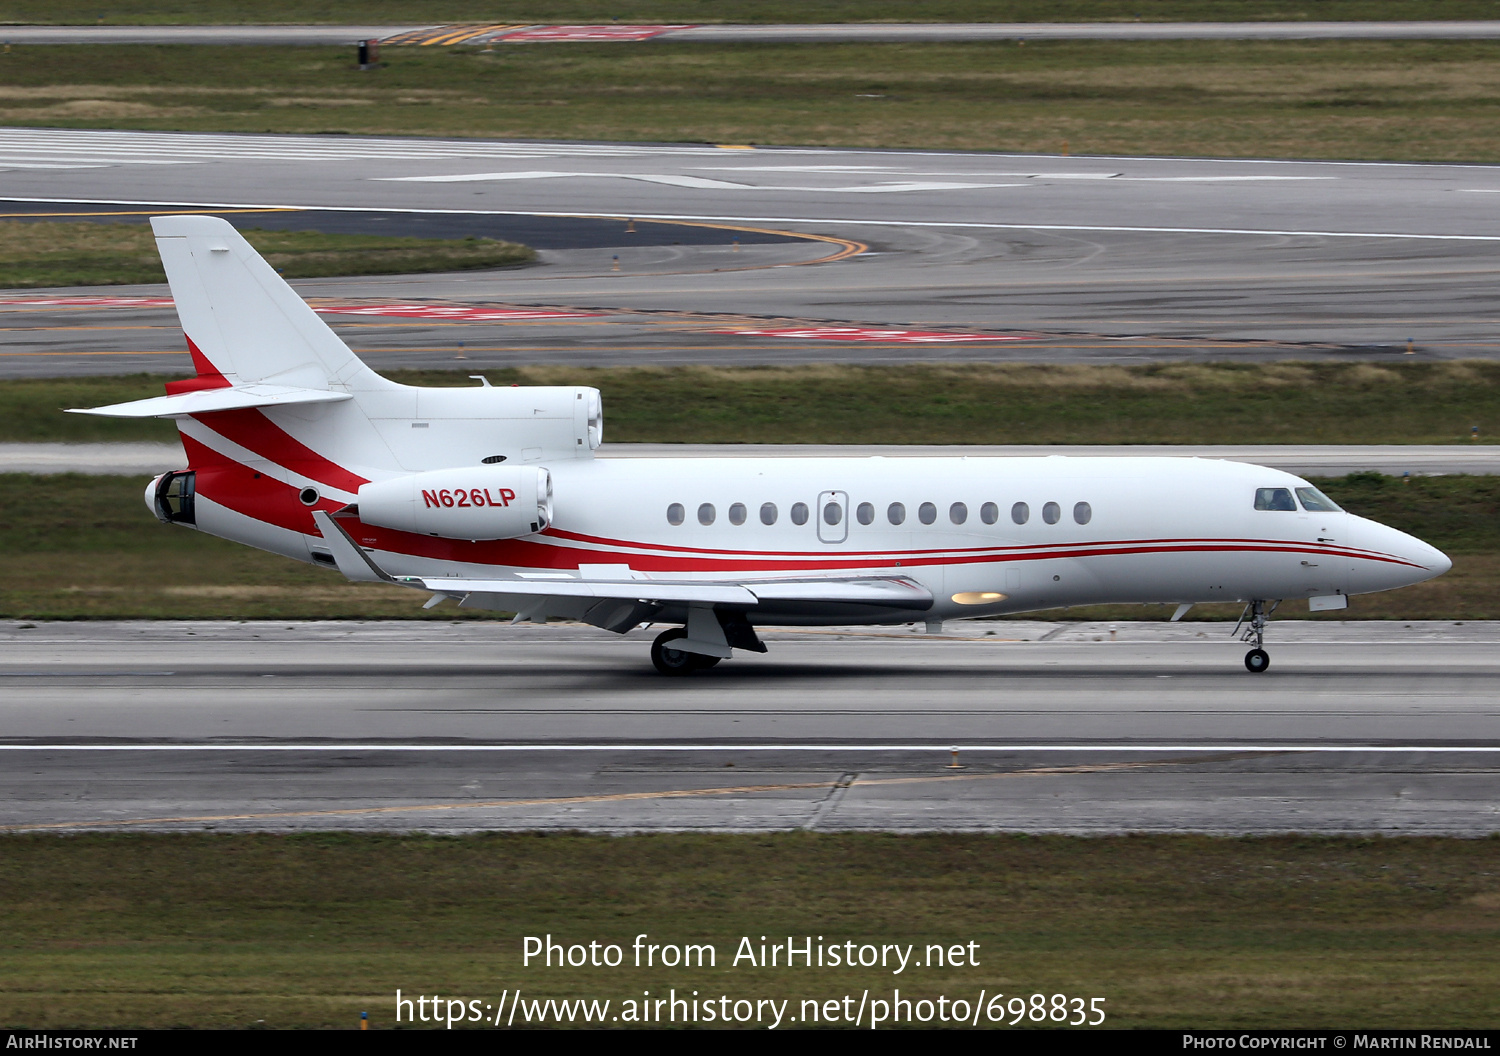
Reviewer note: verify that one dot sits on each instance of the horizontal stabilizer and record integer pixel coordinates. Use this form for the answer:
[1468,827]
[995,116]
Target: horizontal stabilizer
[205,400]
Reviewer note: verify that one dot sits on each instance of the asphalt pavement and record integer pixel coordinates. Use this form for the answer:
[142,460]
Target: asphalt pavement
[146,459]
[1080,728]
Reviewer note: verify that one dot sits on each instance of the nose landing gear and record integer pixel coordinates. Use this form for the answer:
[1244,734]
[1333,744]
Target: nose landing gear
[1253,620]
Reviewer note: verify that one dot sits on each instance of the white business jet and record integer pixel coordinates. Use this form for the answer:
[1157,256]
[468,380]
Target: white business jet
[493,497]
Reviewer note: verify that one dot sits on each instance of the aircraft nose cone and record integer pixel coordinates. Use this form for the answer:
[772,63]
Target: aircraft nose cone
[1436,561]
[1394,559]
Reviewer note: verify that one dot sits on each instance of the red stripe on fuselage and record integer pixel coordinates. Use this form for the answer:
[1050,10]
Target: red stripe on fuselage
[253,431]
[998,553]
[520,553]
[236,486]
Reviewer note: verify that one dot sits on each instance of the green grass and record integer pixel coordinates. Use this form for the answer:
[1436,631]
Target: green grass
[1413,100]
[298,931]
[208,12]
[57,253]
[1203,403]
[76,547]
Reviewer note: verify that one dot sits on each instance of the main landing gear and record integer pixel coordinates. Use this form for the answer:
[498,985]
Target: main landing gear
[671,661]
[1253,620]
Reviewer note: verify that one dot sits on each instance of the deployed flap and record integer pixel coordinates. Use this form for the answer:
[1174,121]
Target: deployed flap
[243,317]
[204,400]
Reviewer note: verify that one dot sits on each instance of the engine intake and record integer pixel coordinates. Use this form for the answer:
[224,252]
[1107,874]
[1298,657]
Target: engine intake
[479,502]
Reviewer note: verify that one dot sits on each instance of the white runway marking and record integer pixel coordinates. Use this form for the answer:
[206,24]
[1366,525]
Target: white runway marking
[695,182]
[1120,176]
[946,749]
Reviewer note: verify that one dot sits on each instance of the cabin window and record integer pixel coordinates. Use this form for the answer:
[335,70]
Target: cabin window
[799,513]
[737,513]
[768,513]
[1083,513]
[675,513]
[1020,513]
[896,513]
[927,513]
[1314,501]
[706,513]
[1051,513]
[833,513]
[1274,499]
[989,513]
[865,511]
[958,513]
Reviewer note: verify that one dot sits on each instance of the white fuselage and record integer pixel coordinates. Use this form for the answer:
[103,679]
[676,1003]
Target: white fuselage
[1155,530]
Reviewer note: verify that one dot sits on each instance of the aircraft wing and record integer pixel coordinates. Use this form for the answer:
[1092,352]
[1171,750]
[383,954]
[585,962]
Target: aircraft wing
[527,593]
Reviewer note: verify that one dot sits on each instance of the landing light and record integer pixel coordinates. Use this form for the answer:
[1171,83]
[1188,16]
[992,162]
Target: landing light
[975,597]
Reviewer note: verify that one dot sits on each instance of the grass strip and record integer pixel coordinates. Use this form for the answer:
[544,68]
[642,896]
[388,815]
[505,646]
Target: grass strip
[1401,100]
[45,254]
[418,12]
[1174,931]
[76,547]
[1181,403]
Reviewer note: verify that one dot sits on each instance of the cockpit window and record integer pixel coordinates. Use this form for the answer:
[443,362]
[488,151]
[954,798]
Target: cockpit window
[1274,499]
[1314,501]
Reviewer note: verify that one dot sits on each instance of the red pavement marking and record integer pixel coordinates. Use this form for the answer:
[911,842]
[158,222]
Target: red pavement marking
[539,33]
[448,311]
[413,311]
[865,333]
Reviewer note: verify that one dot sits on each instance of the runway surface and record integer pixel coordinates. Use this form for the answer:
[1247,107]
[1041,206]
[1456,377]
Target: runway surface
[931,255]
[144,459]
[481,33]
[1082,728]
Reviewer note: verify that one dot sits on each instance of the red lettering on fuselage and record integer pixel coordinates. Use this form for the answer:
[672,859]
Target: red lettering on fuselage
[429,498]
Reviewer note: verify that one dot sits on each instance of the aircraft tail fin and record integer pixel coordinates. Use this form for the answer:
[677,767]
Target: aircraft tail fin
[243,323]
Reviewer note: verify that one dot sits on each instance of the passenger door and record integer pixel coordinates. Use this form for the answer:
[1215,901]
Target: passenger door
[832,513]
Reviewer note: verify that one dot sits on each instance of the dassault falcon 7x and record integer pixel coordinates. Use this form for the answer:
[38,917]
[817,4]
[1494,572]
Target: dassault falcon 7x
[493,497]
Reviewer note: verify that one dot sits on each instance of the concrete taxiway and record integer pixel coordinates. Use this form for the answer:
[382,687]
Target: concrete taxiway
[974,257]
[1084,728]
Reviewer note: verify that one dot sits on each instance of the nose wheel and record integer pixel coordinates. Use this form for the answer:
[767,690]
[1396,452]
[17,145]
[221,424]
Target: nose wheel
[1253,620]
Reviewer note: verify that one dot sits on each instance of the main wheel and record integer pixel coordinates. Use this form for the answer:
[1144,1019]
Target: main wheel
[671,661]
[703,663]
[1256,661]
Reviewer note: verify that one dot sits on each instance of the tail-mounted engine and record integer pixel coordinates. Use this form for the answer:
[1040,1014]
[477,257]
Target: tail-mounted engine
[481,502]
[170,496]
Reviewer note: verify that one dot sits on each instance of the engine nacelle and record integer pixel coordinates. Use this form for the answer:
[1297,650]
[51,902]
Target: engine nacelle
[477,502]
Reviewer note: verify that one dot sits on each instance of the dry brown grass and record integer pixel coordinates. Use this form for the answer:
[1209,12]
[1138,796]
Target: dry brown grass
[1415,100]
